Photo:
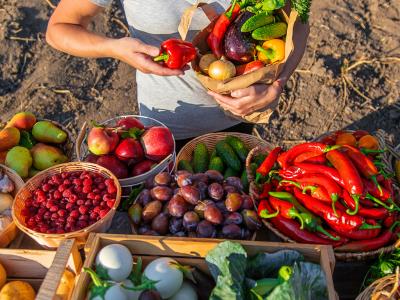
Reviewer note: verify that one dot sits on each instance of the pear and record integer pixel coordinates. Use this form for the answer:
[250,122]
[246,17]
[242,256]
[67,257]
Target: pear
[22,120]
[47,132]
[45,156]
[20,160]
[9,137]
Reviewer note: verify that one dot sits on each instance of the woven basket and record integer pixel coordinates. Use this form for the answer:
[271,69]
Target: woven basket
[386,288]
[211,139]
[54,240]
[81,150]
[342,256]
[10,232]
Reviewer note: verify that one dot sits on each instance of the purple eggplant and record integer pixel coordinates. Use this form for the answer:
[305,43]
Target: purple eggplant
[239,46]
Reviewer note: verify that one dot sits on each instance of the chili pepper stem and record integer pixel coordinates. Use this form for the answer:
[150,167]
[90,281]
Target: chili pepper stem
[95,278]
[369,226]
[291,182]
[298,216]
[258,177]
[323,231]
[330,148]
[266,215]
[356,199]
[395,224]
[368,151]
[161,57]
[376,200]
[375,180]
[228,14]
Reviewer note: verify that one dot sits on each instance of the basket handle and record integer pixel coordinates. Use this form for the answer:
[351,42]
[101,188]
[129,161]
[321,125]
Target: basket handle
[79,140]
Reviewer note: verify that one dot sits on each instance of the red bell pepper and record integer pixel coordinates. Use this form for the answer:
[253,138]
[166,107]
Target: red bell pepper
[268,163]
[249,67]
[264,211]
[320,169]
[309,157]
[341,221]
[374,213]
[370,244]
[176,53]
[216,37]
[316,148]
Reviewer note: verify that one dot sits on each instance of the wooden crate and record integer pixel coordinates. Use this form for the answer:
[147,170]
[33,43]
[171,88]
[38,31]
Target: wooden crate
[43,269]
[192,251]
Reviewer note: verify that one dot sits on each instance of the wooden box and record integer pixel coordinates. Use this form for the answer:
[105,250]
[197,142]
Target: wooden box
[43,269]
[192,251]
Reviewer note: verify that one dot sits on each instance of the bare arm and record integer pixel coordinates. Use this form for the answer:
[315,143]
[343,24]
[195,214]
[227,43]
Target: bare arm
[67,31]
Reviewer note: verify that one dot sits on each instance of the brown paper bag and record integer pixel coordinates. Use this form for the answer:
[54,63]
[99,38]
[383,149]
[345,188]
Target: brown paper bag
[267,75]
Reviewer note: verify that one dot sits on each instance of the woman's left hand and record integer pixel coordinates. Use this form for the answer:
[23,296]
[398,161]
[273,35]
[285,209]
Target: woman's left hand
[246,101]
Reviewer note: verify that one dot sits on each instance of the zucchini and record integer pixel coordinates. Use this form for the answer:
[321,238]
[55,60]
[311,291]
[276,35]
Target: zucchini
[270,31]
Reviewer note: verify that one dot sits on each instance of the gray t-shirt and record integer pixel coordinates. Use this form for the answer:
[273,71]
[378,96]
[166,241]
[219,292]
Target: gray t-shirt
[181,103]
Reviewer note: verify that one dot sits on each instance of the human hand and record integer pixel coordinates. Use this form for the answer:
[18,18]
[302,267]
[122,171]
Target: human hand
[140,56]
[246,101]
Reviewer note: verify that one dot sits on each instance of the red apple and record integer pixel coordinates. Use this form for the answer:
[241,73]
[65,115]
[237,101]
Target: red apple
[130,149]
[102,140]
[142,167]
[157,142]
[129,122]
[91,158]
[114,165]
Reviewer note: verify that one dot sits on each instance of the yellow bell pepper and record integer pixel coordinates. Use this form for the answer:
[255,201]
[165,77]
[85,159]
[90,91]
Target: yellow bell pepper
[271,51]
[17,290]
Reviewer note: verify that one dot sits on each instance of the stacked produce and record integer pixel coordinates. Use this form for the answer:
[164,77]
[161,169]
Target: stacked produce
[247,37]
[118,276]
[28,146]
[7,187]
[330,192]
[69,201]
[129,149]
[196,205]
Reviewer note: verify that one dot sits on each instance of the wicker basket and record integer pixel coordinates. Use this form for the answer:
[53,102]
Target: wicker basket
[386,288]
[54,240]
[10,232]
[81,150]
[341,256]
[211,139]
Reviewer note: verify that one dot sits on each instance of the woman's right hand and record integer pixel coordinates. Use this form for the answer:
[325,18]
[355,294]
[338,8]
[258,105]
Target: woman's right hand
[140,56]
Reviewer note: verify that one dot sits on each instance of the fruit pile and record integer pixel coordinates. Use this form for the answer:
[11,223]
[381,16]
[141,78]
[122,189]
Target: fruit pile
[28,146]
[196,205]
[330,192]
[228,158]
[129,149]
[69,201]
[7,187]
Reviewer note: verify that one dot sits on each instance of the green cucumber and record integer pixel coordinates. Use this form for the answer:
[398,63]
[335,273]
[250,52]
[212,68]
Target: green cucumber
[228,156]
[270,31]
[185,165]
[257,21]
[244,179]
[238,146]
[229,172]
[217,164]
[200,158]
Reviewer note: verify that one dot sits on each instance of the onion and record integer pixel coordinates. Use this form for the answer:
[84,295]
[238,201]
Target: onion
[205,62]
[221,70]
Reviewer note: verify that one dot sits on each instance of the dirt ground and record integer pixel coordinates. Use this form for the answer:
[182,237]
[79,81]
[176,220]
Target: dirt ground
[348,78]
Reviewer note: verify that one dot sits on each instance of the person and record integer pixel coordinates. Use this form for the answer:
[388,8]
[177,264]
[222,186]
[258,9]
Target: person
[174,97]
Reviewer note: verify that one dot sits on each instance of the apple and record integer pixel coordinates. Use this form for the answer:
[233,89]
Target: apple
[129,122]
[91,158]
[157,142]
[142,167]
[102,140]
[114,165]
[130,149]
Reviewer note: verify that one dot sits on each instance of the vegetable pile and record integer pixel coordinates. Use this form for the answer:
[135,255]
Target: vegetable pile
[69,201]
[7,187]
[28,146]
[195,205]
[280,275]
[248,36]
[330,192]
[117,276]
[129,149]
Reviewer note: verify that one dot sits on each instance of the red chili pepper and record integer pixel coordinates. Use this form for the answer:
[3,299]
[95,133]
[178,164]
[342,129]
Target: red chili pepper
[286,209]
[362,234]
[388,185]
[390,220]
[347,171]
[317,192]
[264,211]
[281,158]
[341,239]
[319,169]
[359,134]
[374,213]
[316,148]
[329,140]
[266,189]
[310,157]
[372,189]
[291,172]
[216,37]
[342,220]
[249,67]
[268,162]
[370,244]
[176,53]
[361,161]
[367,203]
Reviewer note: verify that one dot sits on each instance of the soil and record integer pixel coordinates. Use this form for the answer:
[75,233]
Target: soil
[348,78]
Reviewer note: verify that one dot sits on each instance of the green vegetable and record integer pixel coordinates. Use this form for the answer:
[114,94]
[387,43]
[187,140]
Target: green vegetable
[228,156]
[217,164]
[270,31]
[127,202]
[185,165]
[200,158]
[303,8]
[229,172]
[285,272]
[238,146]
[245,181]
[256,21]
[213,154]
[307,282]
[27,140]
[270,5]
[227,265]
[264,265]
